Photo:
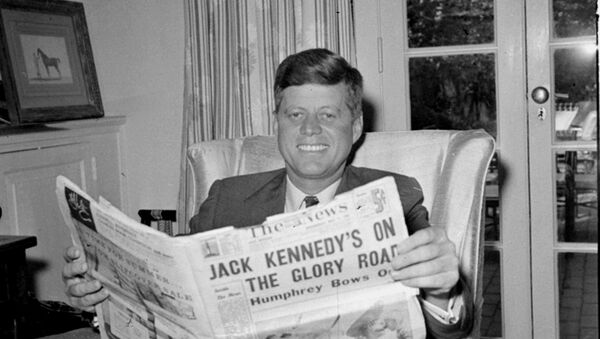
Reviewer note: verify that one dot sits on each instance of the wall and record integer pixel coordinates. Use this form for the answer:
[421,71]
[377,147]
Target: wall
[138,48]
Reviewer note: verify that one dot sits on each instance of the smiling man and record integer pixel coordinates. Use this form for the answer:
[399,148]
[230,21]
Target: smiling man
[315,132]
[318,118]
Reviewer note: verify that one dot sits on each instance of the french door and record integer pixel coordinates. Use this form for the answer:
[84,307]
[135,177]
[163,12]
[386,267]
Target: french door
[520,71]
[563,134]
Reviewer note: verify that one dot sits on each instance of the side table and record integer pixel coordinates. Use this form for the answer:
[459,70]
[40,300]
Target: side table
[13,287]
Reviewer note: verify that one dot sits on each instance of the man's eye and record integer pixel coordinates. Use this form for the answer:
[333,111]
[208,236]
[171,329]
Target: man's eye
[328,116]
[295,115]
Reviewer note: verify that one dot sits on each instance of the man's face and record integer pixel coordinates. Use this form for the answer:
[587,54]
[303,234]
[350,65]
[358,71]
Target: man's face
[316,132]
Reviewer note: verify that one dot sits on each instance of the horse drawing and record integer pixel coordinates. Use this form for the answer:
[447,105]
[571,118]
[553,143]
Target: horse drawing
[49,62]
[36,60]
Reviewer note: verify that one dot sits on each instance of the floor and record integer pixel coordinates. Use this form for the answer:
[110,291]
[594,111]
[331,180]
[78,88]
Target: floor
[579,296]
[578,281]
[491,317]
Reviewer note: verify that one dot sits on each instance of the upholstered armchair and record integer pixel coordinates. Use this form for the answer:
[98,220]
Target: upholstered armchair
[450,166]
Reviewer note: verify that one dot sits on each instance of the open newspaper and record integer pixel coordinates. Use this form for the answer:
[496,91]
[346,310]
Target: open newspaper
[322,272]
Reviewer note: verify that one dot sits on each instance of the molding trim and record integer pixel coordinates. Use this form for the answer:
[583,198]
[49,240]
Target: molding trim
[48,135]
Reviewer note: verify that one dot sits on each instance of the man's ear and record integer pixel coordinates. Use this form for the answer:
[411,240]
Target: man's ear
[357,128]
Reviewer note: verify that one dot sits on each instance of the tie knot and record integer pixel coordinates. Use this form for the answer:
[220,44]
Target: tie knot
[310,200]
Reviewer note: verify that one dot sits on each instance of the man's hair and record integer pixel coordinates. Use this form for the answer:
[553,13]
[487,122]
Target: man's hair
[319,66]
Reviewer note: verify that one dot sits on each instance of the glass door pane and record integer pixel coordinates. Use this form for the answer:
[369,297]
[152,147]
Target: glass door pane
[491,314]
[446,23]
[453,92]
[577,196]
[578,295]
[574,18]
[575,93]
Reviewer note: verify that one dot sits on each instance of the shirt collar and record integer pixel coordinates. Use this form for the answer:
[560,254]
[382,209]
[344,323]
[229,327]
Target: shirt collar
[294,197]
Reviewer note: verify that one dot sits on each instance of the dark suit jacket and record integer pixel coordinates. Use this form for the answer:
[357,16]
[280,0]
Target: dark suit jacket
[249,199]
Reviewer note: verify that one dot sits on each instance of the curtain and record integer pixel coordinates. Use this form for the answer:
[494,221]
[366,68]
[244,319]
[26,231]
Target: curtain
[232,49]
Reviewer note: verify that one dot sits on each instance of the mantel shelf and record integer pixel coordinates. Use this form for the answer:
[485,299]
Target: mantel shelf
[47,135]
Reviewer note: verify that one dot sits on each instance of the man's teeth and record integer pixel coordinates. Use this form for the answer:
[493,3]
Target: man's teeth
[312,148]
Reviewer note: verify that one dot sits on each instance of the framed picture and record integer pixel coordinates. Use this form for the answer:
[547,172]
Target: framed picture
[47,68]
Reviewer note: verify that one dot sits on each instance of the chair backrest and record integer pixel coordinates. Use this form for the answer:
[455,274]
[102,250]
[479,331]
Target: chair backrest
[450,166]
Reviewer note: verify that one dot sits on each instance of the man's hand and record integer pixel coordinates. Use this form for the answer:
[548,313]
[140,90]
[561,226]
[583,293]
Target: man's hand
[427,260]
[82,293]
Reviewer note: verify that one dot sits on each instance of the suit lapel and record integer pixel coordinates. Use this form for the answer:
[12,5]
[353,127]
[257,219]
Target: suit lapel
[349,180]
[268,198]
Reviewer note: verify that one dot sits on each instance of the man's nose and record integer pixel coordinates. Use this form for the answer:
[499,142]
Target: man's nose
[311,125]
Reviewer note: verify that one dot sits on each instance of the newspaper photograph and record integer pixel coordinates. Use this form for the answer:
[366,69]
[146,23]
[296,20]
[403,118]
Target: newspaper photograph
[321,272]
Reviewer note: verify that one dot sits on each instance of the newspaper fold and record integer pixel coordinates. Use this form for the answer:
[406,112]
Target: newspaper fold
[322,272]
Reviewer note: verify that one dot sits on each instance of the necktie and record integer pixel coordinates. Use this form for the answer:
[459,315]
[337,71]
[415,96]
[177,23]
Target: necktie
[310,200]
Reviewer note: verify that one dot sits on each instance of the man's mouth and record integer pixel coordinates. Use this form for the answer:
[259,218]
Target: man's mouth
[312,147]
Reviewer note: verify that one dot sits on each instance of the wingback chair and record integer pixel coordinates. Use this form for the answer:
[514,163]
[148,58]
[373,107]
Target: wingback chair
[450,166]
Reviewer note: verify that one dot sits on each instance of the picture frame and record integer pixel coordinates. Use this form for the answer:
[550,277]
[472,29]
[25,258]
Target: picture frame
[46,63]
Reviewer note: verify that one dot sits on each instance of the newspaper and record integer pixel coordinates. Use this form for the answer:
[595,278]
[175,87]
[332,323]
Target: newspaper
[321,272]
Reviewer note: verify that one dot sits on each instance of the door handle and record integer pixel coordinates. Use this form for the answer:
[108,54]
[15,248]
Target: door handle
[540,95]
